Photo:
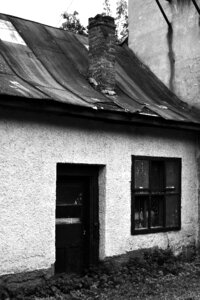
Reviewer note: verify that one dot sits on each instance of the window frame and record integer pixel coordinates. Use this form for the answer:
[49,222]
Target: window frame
[148,193]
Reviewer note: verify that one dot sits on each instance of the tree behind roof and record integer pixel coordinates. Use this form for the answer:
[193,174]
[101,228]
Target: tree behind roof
[122,19]
[106,8]
[72,23]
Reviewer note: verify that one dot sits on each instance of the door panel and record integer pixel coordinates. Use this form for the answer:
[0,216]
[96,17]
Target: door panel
[74,221]
[68,248]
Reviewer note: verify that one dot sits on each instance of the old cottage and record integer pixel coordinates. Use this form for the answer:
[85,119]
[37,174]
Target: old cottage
[98,157]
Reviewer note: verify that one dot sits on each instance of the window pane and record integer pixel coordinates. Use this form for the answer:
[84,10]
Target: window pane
[157,175]
[141,212]
[172,176]
[70,191]
[172,211]
[157,208]
[72,211]
[141,174]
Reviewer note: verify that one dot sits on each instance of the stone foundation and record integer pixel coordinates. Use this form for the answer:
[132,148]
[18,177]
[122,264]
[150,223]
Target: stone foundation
[187,253]
[13,282]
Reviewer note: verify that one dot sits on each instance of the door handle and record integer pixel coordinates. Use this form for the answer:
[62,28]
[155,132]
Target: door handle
[84,232]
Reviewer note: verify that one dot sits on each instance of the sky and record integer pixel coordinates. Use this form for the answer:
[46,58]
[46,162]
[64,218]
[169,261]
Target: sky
[49,11]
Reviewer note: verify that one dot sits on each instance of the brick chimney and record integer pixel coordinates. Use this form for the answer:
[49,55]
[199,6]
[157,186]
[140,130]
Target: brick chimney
[102,41]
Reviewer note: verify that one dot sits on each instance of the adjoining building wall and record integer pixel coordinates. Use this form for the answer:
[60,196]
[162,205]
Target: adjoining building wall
[174,56]
[29,152]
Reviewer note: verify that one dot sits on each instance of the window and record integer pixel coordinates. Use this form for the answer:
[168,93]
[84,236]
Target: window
[156,191]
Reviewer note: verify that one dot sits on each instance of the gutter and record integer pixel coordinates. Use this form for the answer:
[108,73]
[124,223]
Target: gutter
[52,107]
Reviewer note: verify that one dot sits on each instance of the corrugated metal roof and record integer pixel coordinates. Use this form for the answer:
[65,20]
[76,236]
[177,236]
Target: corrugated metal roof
[42,62]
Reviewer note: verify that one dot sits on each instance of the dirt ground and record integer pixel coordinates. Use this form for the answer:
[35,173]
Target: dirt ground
[155,276]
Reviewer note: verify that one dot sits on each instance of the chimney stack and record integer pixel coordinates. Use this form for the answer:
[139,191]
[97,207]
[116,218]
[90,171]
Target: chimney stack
[102,41]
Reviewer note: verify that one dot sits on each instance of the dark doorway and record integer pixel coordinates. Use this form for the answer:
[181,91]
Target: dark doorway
[77,222]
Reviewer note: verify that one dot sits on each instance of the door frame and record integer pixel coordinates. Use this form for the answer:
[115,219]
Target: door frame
[92,173]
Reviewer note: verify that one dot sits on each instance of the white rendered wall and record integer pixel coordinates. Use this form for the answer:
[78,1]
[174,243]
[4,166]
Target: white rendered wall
[29,152]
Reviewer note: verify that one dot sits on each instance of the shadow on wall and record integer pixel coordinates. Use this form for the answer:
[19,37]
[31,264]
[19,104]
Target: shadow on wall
[180,2]
[171,57]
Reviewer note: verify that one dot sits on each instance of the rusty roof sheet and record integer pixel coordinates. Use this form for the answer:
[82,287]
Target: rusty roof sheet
[42,62]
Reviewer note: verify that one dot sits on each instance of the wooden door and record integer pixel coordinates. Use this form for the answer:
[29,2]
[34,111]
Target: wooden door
[76,223]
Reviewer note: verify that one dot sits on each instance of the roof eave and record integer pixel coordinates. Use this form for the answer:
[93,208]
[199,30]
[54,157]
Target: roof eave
[64,109]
